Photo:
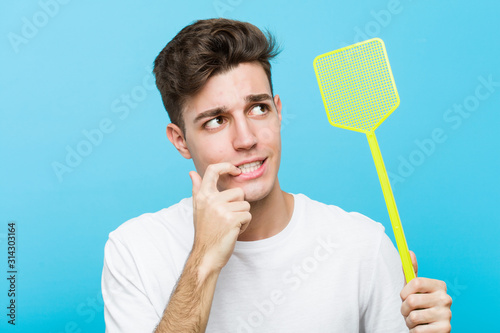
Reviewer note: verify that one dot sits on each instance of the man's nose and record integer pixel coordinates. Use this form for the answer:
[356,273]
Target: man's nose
[244,135]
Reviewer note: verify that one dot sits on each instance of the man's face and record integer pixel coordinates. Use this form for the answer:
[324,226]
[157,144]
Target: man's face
[235,119]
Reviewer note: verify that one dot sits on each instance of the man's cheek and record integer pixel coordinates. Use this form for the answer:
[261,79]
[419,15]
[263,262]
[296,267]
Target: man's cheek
[276,126]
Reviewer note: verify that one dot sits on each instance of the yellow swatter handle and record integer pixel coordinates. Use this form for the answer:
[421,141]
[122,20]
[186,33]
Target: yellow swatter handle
[391,207]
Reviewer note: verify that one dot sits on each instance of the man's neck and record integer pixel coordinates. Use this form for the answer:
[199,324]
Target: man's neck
[269,215]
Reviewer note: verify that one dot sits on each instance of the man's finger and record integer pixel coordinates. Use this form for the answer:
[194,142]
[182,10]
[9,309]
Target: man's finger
[244,218]
[414,262]
[196,179]
[214,171]
[420,317]
[422,285]
[238,206]
[419,301]
[244,227]
[232,194]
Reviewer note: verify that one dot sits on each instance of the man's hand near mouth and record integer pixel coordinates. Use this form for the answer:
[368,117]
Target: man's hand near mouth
[219,218]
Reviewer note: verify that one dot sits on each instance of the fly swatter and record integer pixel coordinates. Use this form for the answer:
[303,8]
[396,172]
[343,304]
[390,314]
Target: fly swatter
[359,93]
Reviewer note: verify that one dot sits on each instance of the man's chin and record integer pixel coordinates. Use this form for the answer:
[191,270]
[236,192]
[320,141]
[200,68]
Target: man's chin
[253,192]
[255,195]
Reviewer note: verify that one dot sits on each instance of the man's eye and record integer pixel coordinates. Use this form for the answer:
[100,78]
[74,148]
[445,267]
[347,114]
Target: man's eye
[259,109]
[214,123]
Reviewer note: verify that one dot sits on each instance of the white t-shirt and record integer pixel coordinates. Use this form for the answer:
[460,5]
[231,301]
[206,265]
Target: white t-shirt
[326,271]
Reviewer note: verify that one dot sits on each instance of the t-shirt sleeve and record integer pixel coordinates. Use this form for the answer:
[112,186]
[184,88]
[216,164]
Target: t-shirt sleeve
[383,312]
[126,305]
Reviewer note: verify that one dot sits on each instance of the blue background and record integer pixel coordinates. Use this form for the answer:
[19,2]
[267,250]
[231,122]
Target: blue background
[68,68]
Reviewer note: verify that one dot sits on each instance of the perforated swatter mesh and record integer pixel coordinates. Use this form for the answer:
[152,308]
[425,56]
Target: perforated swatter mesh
[358,91]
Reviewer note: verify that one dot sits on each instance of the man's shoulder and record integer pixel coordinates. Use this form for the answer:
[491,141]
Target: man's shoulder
[335,216]
[175,218]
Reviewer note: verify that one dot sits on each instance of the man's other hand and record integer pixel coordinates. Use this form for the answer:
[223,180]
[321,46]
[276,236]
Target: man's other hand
[426,305]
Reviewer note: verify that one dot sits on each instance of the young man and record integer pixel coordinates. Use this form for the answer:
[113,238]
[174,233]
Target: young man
[242,255]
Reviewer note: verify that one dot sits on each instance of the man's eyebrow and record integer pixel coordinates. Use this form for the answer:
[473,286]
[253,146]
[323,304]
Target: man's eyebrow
[210,113]
[257,98]
[221,110]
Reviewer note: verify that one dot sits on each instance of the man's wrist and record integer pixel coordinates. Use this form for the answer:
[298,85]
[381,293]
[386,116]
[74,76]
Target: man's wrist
[198,264]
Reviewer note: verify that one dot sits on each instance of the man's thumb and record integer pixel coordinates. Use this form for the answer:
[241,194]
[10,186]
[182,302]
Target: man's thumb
[414,262]
[196,179]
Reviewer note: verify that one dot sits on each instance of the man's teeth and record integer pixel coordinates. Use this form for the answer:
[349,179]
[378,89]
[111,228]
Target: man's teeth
[250,167]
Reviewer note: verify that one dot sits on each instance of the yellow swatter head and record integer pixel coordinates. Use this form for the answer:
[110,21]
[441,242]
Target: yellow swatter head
[357,85]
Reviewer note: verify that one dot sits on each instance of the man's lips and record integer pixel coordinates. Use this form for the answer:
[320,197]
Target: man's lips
[252,169]
[251,166]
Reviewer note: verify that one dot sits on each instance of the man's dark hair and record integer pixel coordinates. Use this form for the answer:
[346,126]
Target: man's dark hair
[203,49]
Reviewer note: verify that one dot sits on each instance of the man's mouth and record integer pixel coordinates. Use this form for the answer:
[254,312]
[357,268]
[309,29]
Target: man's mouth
[250,167]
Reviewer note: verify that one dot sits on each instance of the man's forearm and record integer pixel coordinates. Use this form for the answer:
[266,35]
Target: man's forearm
[189,306]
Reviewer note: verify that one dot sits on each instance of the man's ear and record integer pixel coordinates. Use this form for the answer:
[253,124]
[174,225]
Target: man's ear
[277,103]
[175,135]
